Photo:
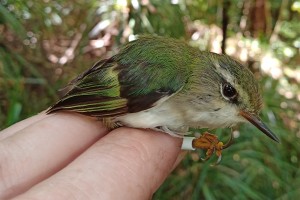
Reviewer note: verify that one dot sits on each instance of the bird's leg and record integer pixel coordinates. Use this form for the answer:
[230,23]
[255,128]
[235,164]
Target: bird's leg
[212,144]
[206,141]
[167,130]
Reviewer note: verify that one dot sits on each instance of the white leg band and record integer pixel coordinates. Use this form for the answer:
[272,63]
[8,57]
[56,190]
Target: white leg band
[187,143]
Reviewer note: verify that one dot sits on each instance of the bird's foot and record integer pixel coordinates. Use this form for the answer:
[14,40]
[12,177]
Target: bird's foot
[212,144]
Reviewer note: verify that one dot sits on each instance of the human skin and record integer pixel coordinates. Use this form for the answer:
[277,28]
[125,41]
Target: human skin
[71,156]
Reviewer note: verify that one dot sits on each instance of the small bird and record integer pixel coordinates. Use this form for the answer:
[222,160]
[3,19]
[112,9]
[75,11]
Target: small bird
[162,83]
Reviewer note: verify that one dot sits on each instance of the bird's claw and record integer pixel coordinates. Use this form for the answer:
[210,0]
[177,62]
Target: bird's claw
[212,144]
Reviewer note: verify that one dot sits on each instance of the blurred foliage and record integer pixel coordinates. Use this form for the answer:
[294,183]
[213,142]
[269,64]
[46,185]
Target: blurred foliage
[44,44]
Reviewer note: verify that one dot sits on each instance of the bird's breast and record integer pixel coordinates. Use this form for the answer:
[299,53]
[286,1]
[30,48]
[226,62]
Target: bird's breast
[165,114]
[175,117]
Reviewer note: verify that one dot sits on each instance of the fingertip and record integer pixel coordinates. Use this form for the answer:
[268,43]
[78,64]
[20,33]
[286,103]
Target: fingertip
[148,157]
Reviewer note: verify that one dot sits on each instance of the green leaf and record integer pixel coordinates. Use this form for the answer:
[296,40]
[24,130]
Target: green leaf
[11,21]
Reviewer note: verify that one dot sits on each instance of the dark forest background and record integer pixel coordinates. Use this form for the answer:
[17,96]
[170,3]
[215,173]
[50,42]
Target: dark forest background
[44,44]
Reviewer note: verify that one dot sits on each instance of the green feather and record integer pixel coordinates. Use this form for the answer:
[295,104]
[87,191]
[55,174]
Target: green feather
[143,72]
[184,86]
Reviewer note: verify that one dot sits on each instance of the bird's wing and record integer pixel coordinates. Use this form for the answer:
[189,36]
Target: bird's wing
[114,87]
[144,72]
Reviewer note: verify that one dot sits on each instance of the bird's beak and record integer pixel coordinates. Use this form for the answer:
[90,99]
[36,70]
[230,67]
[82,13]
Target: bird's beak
[259,124]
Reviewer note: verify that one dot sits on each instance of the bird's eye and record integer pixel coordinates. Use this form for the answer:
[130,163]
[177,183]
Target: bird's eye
[229,92]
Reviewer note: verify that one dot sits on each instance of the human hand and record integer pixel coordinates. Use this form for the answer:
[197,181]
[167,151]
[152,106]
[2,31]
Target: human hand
[71,156]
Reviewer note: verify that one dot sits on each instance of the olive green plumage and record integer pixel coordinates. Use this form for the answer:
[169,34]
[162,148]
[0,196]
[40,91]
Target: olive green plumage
[161,82]
[133,80]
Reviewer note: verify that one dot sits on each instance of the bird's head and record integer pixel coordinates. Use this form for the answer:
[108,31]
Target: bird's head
[232,91]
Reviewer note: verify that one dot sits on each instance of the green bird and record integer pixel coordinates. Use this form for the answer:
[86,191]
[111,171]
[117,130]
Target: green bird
[162,83]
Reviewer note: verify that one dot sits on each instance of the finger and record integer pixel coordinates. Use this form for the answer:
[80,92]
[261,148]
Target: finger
[179,158]
[40,150]
[22,124]
[125,164]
